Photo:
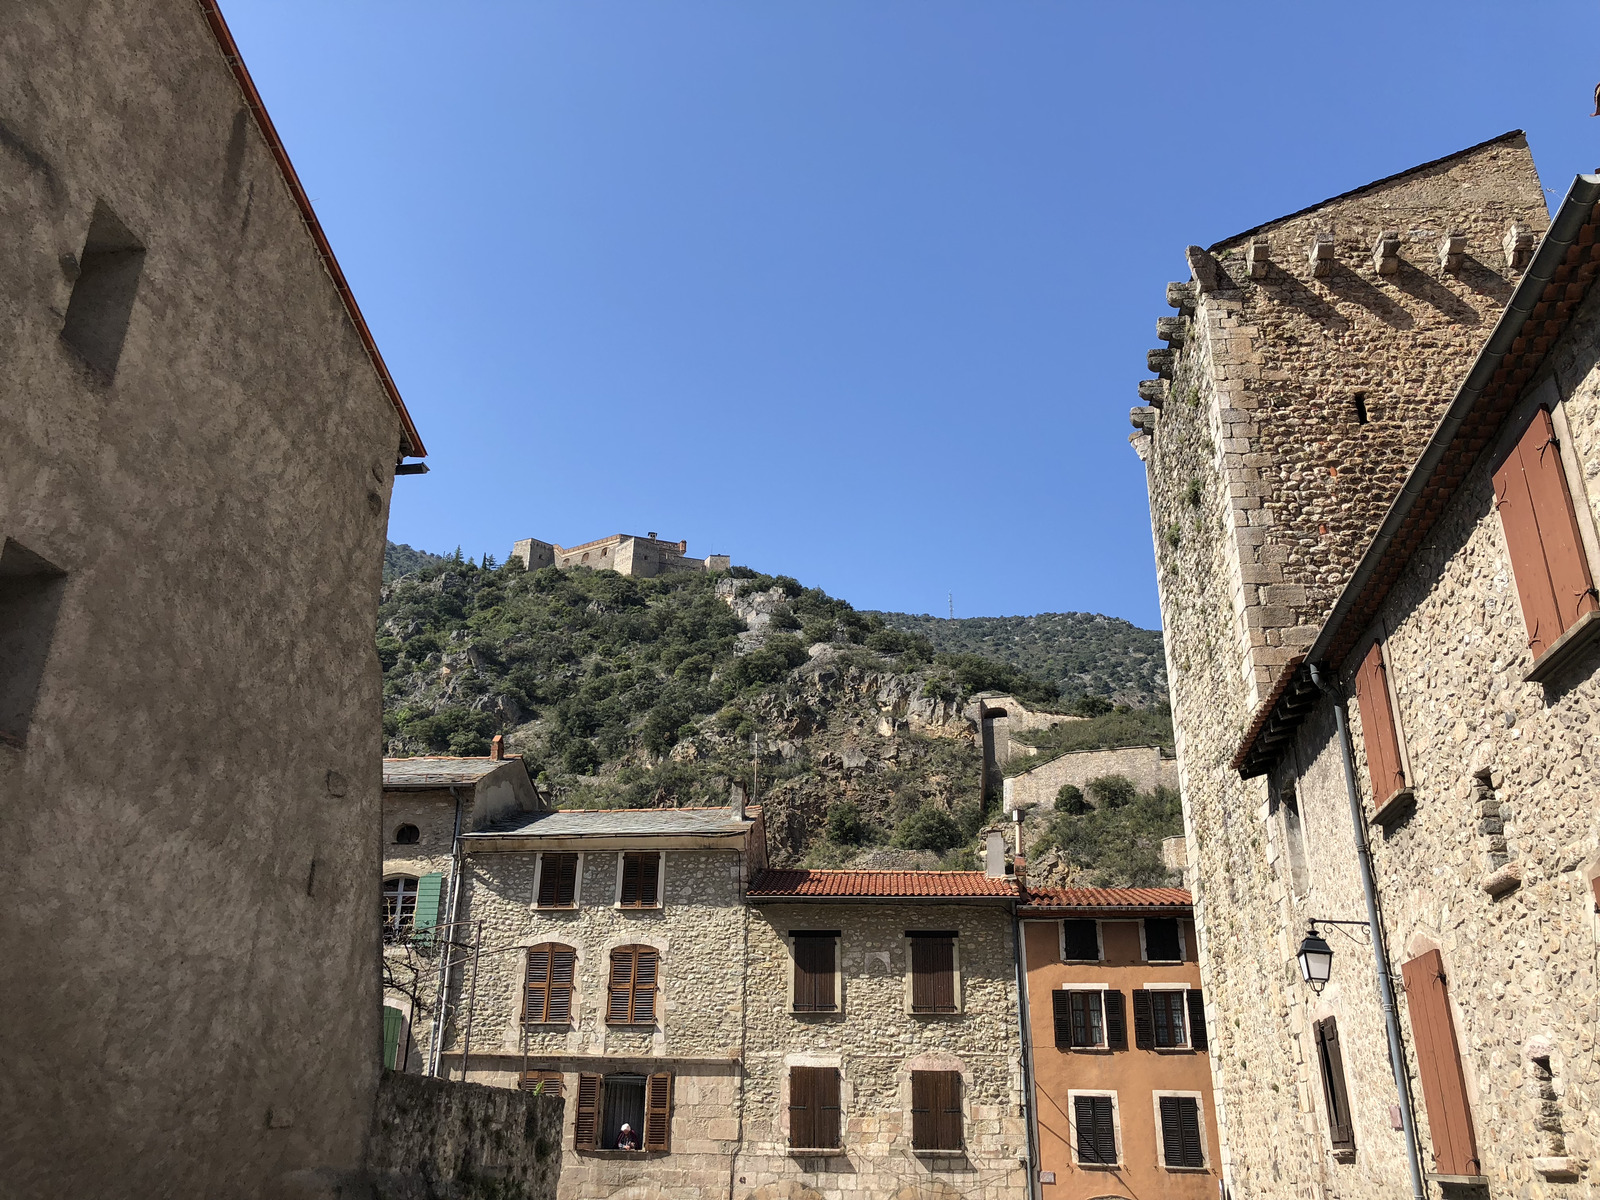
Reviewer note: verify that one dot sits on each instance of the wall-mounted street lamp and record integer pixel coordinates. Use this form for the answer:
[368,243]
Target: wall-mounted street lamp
[1316,956]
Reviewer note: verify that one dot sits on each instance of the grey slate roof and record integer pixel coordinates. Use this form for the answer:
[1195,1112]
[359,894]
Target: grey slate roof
[438,772]
[627,822]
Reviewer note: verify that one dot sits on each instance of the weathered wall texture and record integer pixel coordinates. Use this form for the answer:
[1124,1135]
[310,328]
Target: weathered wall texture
[433,1140]
[1147,766]
[1264,489]
[876,1044]
[192,884]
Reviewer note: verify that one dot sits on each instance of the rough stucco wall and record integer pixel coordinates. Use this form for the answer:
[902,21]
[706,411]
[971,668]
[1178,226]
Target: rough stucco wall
[200,1014]
[1142,764]
[876,1044]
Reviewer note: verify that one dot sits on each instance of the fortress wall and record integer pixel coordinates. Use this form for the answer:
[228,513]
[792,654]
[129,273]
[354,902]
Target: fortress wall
[1142,764]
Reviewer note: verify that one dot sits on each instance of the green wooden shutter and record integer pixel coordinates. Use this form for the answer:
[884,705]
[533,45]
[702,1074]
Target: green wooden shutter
[393,1022]
[427,913]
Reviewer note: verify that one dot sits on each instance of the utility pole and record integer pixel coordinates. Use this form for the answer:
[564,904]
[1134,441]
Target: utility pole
[952,598]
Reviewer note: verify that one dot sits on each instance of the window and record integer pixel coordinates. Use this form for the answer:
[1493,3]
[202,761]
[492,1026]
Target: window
[816,975]
[936,1110]
[1094,1124]
[1089,1019]
[558,880]
[407,835]
[933,972]
[1444,1088]
[632,992]
[1548,560]
[30,598]
[1359,402]
[1166,1010]
[814,1108]
[102,296]
[1169,1019]
[1288,804]
[1161,940]
[546,1083]
[1181,1144]
[608,1102]
[399,907]
[547,994]
[1380,732]
[640,880]
[1341,1129]
[1080,941]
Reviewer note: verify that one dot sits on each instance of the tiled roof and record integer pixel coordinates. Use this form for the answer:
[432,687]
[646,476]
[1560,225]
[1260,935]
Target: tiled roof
[620,822]
[439,772]
[879,884]
[1039,898]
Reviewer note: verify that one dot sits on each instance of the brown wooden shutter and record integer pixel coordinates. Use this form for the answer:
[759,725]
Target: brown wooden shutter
[619,1002]
[649,880]
[1171,1132]
[536,992]
[1341,1127]
[558,876]
[1444,1088]
[829,1108]
[1378,730]
[950,1118]
[1116,1021]
[567,879]
[630,880]
[586,1124]
[546,1083]
[814,983]
[1061,1002]
[923,1087]
[658,1113]
[814,1107]
[933,984]
[1144,1026]
[1197,1020]
[936,1121]
[645,963]
[562,964]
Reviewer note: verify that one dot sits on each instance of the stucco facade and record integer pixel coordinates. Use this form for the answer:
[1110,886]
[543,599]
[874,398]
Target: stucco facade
[200,445]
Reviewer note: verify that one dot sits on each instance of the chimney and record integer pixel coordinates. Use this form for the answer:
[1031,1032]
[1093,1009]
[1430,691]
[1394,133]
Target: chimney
[1021,870]
[651,535]
[736,800]
[994,854]
[497,748]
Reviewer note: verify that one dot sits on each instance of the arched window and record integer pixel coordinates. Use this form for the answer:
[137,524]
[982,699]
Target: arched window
[547,995]
[631,996]
[407,835]
[399,906]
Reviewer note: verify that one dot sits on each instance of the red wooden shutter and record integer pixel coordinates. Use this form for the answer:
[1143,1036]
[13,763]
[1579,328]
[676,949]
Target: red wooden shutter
[933,985]
[1144,1026]
[1061,1002]
[658,1113]
[619,1002]
[1197,1020]
[586,1124]
[644,985]
[1116,1022]
[1378,732]
[1444,1088]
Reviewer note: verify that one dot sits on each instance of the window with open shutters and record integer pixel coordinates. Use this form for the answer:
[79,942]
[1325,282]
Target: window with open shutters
[933,972]
[1330,1059]
[936,1110]
[1444,1087]
[1180,1132]
[631,996]
[1094,1123]
[814,1108]
[606,1103]
[1089,1019]
[558,880]
[641,880]
[1548,560]
[547,994]
[816,973]
[1380,731]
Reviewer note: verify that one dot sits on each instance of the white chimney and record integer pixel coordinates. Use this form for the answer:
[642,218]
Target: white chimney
[736,800]
[994,854]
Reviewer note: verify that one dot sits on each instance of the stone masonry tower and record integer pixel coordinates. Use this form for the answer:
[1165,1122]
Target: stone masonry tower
[1307,365]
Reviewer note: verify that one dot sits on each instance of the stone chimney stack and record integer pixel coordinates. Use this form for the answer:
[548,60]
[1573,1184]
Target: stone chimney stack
[497,748]
[736,800]
[994,854]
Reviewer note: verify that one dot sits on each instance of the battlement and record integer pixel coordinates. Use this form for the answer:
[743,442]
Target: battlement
[625,553]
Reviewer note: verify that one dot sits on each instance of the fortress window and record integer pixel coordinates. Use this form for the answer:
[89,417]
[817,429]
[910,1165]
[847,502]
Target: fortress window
[102,296]
[1360,402]
[407,835]
[30,599]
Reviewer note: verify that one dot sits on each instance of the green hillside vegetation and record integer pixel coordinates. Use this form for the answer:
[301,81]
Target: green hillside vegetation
[401,560]
[1114,838]
[1121,726]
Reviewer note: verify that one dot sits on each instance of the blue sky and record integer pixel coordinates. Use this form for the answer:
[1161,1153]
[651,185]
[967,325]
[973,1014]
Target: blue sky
[856,292]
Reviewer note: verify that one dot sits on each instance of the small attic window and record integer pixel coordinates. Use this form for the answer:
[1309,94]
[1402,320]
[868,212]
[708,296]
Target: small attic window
[407,835]
[1359,400]
[102,297]
[30,598]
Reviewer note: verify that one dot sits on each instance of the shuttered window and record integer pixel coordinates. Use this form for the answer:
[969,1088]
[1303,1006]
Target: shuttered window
[1180,1132]
[1380,732]
[1444,1088]
[1167,1018]
[1197,1019]
[814,1108]
[658,1113]
[1080,941]
[547,993]
[394,1023]
[546,1083]
[631,1099]
[815,972]
[641,880]
[1116,1022]
[1330,1059]
[936,1110]
[1094,1121]
[586,1120]
[631,995]
[558,880]
[1542,537]
[1079,1019]
[1161,941]
[933,972]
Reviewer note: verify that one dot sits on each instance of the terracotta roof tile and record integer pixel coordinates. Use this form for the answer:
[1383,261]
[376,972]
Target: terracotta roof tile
[1042,898]
[876,884]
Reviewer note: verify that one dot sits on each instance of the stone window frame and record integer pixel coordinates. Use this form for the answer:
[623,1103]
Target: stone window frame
[1183,943]
[577,883]
[580,955]
[1116,1129]
[838,981]
[1161,1149]
[1285,781]
[1099,940]
[936,1060]
[781,1124]
[1188,1024]
[661,884]
[956,984]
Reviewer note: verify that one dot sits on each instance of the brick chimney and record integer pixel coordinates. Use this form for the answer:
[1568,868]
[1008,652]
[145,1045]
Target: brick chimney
[497,748]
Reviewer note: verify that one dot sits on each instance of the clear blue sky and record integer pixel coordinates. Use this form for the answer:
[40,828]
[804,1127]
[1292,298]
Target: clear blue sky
[854,291]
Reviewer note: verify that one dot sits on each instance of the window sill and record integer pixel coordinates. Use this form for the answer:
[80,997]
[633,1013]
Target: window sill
[938,1153]
[832,1014]
[1468,1180]
[1086,1049]
[1083,1166]
[1565,648]
[1172,1049]
[555,908]
[1395,807]
[624,1153]
[913,1012]
[1186,1170]
[547,1026]
[630,1025]
[634,908]
[825,1152]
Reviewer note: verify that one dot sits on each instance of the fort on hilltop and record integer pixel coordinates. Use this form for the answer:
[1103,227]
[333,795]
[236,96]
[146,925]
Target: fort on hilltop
[625,553]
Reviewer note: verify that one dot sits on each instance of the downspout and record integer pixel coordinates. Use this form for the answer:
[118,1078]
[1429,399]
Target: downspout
[1029,1114]
[450,933]
[1380,949]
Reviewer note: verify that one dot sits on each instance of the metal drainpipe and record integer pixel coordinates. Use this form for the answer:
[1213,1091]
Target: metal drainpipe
[1380,949]
[450,933]
[1019,954]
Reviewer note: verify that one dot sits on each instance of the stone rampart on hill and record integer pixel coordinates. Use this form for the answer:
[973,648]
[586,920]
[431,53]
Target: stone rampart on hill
[1145,765]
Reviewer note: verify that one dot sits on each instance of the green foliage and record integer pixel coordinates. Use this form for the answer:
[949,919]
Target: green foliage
[1119,727]
[1174,535]
[403,560]
[1119,847]
[973,673]
[845,826]
[1193,492]
[1090,706]
[1112,791]
[1069,799]
[927,828]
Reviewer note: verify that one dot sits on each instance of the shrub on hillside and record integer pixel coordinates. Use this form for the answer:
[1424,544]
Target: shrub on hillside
[1112,791]
[845,826]
[1069,799]
[1119,847]
[928,828]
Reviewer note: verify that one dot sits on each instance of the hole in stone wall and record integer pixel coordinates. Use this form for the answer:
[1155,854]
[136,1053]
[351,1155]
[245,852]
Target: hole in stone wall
[102,297]
[1360,402]
[30,597]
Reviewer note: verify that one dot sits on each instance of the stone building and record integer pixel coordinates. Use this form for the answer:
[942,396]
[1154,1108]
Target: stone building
[1322,443]
[882,1052]
[624,553]
[200,439]
[1117,1045]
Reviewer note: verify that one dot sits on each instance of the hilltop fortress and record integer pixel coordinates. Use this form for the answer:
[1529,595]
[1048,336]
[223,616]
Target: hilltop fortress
[625,553]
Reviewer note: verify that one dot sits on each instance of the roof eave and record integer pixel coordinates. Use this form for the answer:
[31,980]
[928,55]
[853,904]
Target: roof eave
[981,901]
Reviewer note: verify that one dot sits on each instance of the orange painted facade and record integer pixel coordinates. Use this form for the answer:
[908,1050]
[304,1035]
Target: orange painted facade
[1133,1078]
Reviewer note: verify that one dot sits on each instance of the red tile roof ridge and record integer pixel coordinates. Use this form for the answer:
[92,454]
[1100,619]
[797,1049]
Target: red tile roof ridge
[1093,897]
[882,882]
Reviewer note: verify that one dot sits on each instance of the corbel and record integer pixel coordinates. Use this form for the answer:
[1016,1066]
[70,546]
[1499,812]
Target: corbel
[1170,330]
[1320,255]
[1207,271]
[1162,362]
[1257,257]
[1181,297]
[1518,245]
[1153,392]
[1386,253]
[1452,251]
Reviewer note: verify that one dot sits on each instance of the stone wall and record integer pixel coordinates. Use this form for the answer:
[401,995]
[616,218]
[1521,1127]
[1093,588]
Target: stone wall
[1147,766]
[410,969]
[876,1043]
[623,553]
